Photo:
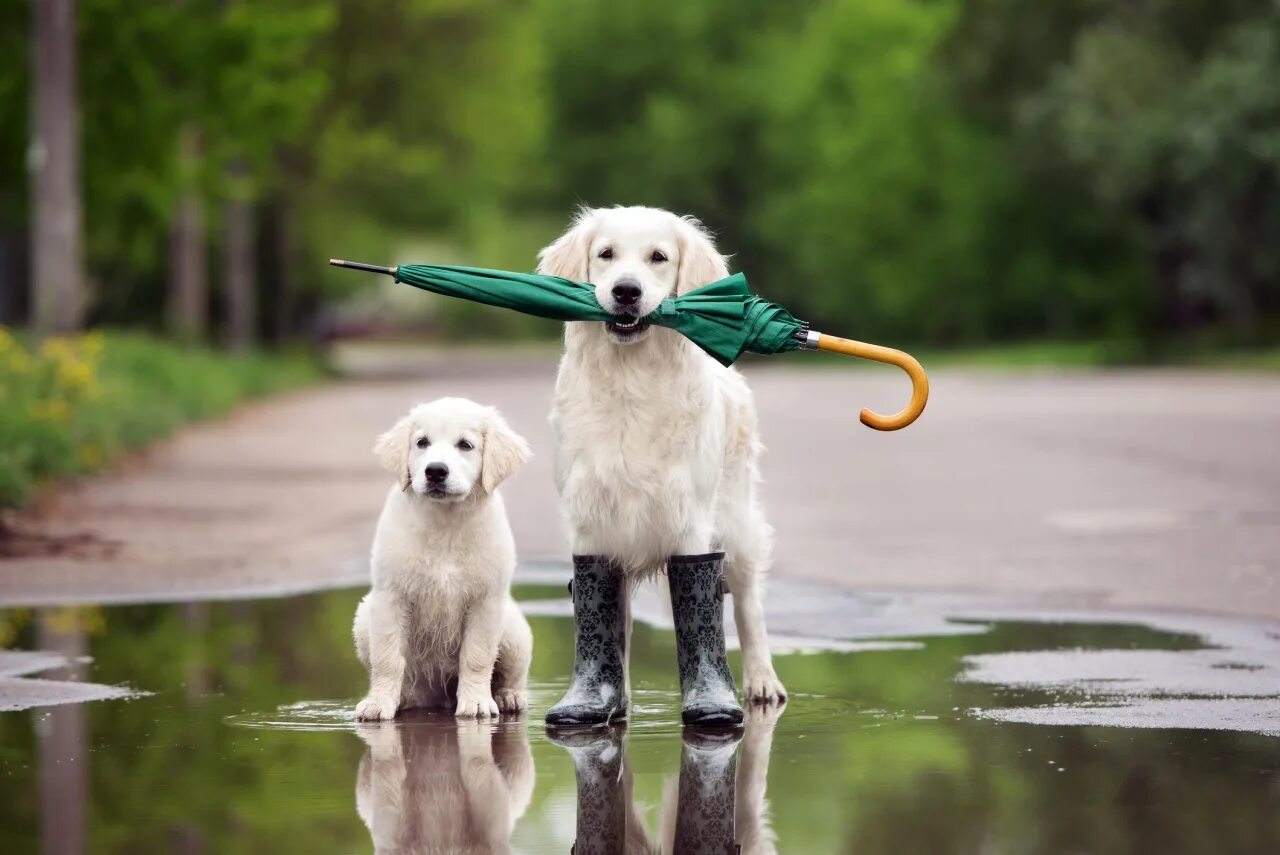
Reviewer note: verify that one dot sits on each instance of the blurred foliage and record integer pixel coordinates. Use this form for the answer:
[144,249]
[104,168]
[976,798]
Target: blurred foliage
[69,405]
[946,172]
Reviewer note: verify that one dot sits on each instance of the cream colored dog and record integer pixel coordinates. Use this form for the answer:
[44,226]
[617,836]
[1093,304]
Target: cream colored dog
[440,625]
[656,441]
[429,786]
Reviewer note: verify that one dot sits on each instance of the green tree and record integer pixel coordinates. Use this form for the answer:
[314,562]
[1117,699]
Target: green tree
[1163,116]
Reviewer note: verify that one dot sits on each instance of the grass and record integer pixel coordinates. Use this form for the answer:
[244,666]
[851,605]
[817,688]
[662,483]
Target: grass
[71,405]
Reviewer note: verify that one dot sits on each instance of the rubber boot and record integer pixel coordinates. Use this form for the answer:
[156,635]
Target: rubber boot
[697,605]
[598,756]
[598,693]
[704,812]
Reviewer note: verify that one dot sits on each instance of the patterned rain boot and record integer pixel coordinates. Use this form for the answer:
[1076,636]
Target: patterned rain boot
[697,604]
[704,813]
[598,756]
[598,693]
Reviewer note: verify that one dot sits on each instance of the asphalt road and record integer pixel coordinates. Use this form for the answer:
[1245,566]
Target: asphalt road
[1151,489]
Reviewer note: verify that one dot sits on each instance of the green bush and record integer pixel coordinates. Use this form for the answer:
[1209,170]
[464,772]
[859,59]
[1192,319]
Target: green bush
[71,405]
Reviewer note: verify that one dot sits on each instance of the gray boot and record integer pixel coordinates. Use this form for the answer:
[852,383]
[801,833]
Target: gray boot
[598,693]
[704,812]
[598,759]
[697,605]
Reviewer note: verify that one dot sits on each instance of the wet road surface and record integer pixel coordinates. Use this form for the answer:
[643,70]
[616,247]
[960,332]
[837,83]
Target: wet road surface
[1122,489]
[917,722]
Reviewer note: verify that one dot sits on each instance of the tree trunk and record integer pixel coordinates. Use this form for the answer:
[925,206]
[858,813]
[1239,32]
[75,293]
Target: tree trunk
[241,291]
[57,240]
[283,240]
[188,291]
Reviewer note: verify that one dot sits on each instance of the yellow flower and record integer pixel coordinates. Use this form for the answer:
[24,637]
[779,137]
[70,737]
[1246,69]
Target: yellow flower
[54,410]
[65,620]
[11,623]
[19,362]
[91,345]
[55,347]
[75,373]
[90,456]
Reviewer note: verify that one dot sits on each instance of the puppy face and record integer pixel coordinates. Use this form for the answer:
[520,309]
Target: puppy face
[450,450]
[635,257]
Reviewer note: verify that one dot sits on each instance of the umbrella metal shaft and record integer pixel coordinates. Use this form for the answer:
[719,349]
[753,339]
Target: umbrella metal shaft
[359,265]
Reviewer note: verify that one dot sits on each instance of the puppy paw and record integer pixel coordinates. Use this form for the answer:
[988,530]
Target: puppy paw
[375,709]
[762,686]
[511,700]
[382,737]
[475,705]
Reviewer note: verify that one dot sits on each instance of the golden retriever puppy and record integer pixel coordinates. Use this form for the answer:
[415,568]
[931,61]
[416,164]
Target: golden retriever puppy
[440,627]
[430,786]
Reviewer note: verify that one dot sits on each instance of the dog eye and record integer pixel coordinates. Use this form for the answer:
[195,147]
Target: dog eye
[605,253]
[658,256]
[463,445]
[423,442]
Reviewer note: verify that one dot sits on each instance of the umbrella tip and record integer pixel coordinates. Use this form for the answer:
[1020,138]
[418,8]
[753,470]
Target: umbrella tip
[337,262]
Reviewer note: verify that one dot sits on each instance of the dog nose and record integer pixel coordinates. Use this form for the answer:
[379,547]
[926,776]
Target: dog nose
[437,472]
[626,291]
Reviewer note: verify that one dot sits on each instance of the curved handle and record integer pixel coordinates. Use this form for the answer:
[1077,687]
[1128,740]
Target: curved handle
[905,361]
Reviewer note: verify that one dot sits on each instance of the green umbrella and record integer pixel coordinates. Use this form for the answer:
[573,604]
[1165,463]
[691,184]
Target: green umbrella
[723,318]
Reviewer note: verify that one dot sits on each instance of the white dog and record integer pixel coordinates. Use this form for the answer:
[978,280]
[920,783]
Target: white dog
[426,786]
[656,442]
[440,625]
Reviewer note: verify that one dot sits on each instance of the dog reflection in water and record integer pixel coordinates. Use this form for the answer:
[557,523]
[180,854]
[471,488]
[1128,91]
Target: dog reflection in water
[429,784]
[717,806]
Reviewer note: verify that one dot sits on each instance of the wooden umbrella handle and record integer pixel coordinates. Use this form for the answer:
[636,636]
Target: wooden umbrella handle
[905,361]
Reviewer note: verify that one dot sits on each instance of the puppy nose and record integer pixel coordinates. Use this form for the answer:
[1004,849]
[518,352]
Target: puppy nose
[626,291]
[437,472]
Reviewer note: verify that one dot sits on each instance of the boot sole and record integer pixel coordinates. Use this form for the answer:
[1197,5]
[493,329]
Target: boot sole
[586,721]
[712,718]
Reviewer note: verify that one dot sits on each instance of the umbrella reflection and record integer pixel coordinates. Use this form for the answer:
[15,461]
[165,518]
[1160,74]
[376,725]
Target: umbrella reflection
[429,784]
[717,806]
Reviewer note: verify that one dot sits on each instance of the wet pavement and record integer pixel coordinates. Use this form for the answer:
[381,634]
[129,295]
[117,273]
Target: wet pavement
[1116,489]
[917,722]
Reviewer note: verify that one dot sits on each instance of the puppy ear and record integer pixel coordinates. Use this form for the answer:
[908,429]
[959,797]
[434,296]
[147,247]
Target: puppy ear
[392,449]
[504,451]
[700,262]
[567,256]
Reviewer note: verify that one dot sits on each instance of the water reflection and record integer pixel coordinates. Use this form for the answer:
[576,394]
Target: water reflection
[719,803]
[247,745]
[61,741]
[430,784]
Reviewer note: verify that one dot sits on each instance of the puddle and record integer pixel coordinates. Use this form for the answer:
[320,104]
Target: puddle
[937,723]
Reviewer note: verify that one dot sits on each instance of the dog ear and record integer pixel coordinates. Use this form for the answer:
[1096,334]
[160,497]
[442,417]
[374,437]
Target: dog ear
[392,449]
[700,262]
[567,256]
[504,451]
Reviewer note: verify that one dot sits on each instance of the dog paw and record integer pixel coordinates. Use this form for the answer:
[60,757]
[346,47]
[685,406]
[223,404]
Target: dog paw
[375,709]
[382,737]
[763,687]
[475,706]
[763,717]
[511,700]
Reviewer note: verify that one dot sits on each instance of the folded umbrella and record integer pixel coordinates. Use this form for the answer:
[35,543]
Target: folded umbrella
[723,318]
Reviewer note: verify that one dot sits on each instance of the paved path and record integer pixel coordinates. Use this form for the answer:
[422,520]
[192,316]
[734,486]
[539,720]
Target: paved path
[1122,489]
